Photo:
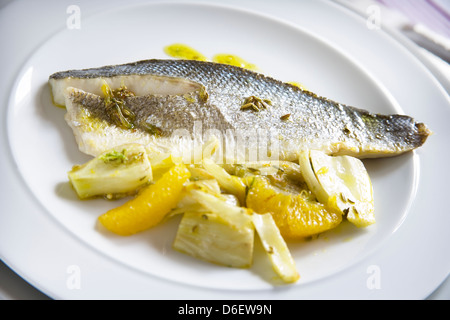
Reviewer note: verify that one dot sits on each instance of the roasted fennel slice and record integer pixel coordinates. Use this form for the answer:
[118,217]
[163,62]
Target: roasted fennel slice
[275,247]
[231,184]
[213,237]
[115,173]
[221,233]
[342,182]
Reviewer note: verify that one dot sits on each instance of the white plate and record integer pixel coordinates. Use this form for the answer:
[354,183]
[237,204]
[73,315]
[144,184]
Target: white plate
[346,262]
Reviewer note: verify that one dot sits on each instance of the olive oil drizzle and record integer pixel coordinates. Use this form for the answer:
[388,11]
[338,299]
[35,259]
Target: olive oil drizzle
[182,51]
[234,60]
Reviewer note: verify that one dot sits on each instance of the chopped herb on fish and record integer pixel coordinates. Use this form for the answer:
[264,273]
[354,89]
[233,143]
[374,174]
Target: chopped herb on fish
[114,156]
[255,103]
[116,108]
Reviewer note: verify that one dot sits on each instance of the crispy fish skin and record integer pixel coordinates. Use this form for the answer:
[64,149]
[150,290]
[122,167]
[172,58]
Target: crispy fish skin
[300,119]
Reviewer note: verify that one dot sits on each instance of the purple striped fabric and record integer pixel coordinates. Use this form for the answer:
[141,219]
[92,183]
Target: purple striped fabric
[435,14]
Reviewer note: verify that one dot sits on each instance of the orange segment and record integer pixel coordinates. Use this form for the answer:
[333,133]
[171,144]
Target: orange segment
[151,205]
[295,215]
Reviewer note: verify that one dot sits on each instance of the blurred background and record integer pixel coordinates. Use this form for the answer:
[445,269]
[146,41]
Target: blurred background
[423,25]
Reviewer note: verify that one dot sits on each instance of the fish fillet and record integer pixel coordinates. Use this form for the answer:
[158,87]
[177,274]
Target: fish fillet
[252,115]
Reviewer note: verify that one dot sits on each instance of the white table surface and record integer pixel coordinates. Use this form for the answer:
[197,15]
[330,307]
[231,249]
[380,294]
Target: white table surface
[13,287]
